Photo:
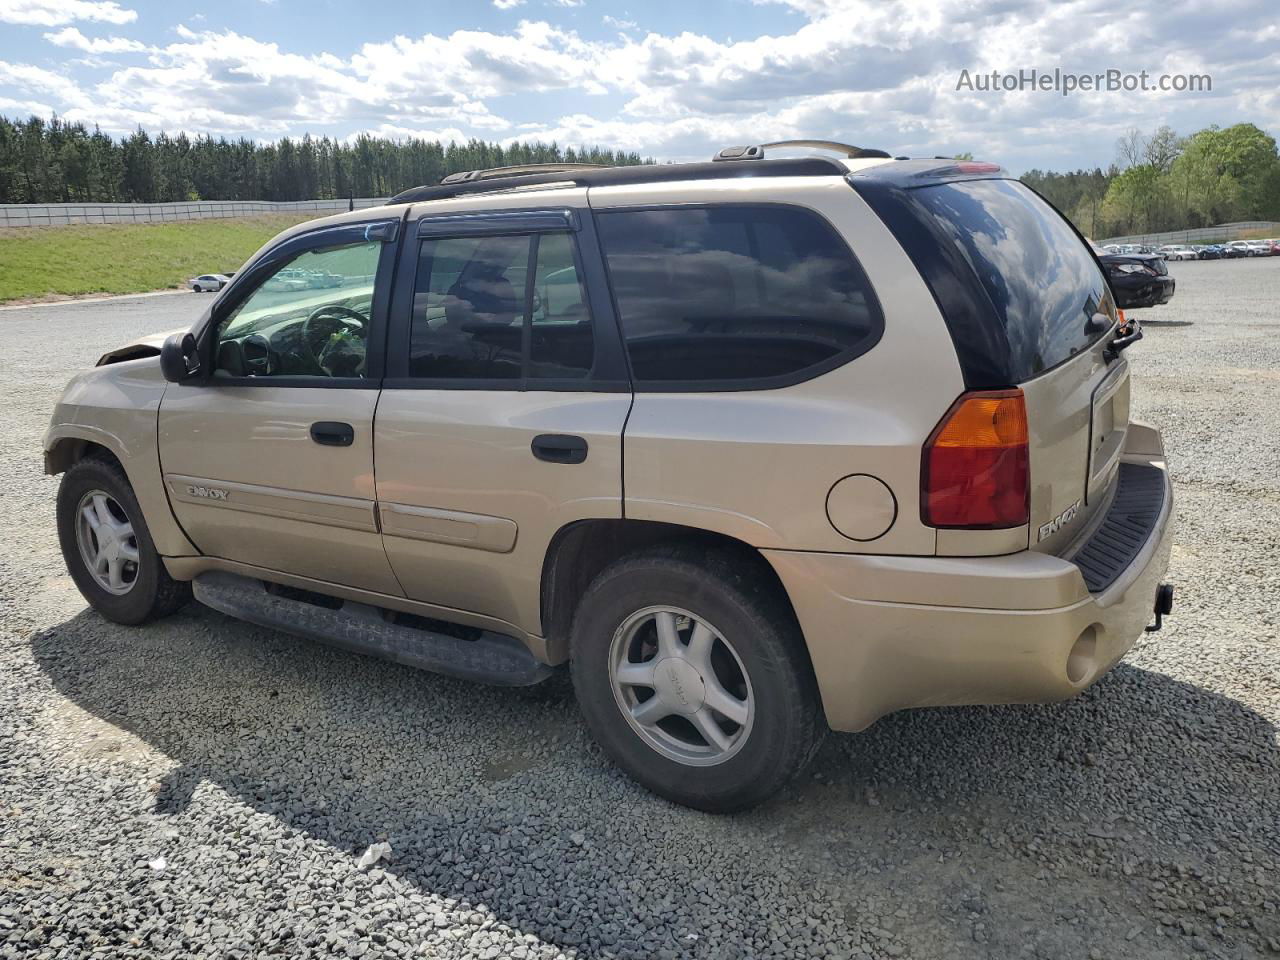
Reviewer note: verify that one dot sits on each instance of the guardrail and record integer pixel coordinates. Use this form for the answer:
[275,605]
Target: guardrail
[64,214]
[1223,231]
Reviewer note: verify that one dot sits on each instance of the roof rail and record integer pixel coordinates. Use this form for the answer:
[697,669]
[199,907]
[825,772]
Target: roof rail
[492,173]
[756,151]
[615,176]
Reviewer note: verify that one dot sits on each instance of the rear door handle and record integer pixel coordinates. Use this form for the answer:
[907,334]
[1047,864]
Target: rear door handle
[559,448]
[333,433]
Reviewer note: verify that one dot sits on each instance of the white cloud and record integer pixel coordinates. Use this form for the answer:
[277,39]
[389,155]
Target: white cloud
[71,37]
[55,13]
[41,81]
[507,4]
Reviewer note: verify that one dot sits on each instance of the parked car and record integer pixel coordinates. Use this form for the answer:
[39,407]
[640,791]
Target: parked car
[286,284]
[1176,252]
[862,473]
[327,279]
[1211,251]
[1138,279]
[1260,248]
[209,282]
[1236,249]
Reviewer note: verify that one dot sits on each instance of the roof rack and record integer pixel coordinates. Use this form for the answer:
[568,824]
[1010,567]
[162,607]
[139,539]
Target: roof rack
[615,176]
[493,173]
[756,151]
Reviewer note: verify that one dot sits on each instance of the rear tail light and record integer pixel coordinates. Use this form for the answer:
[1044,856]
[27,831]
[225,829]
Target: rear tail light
[975,473]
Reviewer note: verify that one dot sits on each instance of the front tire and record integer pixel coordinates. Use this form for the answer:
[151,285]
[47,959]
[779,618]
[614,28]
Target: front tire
[692,675]
[108,548]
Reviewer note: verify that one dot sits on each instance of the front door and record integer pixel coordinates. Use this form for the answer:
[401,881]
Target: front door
[268,458]
[501,416]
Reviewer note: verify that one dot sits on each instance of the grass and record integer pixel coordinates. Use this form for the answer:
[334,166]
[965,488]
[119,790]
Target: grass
[39,262]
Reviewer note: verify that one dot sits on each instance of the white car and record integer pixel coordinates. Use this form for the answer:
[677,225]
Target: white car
[1174,251]
[209,282]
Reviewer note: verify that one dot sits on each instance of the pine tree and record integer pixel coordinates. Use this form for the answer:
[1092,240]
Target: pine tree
[54,161]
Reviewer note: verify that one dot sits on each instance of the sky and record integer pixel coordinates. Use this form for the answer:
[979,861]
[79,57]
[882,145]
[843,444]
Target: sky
[671,79]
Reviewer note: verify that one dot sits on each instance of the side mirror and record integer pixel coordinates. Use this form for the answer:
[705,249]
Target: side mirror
[178,358]
[257,355]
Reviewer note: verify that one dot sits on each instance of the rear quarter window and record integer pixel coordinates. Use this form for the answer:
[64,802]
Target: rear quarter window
[1041,279]
[735,296]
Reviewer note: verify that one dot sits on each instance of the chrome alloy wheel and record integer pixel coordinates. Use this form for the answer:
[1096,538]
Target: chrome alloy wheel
[681,686]
[107,542]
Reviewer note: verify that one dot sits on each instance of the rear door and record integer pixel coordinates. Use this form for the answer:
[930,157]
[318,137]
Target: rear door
[1051,311]
[501,418]
[268,460]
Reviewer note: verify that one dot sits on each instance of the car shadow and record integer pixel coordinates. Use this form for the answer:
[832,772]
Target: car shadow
[495,797]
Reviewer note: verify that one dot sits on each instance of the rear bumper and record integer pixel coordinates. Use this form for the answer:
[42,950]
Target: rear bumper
[887,633]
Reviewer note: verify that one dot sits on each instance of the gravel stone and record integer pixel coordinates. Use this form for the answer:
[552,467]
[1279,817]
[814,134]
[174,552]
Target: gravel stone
[1139,819]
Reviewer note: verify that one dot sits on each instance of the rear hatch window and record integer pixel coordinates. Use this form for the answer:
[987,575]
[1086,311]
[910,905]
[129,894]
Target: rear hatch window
[1041,279]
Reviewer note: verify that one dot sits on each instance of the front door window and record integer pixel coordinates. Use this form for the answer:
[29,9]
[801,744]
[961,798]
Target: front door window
[310,318]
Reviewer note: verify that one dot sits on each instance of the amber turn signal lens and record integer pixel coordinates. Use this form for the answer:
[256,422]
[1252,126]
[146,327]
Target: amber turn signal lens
[995,419]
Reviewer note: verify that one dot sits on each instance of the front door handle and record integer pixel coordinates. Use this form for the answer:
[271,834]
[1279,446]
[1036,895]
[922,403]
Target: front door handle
[559,448]
[332,433]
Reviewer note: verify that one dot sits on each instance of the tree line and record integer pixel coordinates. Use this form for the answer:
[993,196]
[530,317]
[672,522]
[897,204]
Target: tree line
[1162,181]
[1158,181]
[53,161]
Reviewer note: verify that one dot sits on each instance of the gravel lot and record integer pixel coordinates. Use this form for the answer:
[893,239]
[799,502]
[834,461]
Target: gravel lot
[205,787]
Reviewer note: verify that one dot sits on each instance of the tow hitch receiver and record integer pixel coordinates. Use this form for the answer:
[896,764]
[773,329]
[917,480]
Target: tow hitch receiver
[1164,605]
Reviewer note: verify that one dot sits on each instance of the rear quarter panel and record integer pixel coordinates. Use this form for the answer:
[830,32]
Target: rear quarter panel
[758,465]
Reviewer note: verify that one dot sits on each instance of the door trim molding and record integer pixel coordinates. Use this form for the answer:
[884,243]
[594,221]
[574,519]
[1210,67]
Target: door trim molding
[476,530]
[349,513]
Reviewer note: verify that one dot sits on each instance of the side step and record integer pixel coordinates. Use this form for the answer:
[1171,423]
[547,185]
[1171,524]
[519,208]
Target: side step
[484,656]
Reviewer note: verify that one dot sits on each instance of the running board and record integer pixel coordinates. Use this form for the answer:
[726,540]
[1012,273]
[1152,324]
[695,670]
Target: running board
[484,656]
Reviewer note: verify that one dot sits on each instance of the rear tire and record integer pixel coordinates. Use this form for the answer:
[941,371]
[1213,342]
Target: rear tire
[108,548]
[648,617]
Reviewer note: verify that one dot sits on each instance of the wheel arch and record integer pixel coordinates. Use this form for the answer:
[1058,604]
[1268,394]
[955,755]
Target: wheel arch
[66,451]
[580,550]
[67,444]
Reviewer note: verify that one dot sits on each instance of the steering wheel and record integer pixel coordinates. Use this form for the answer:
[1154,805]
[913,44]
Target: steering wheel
[340,314]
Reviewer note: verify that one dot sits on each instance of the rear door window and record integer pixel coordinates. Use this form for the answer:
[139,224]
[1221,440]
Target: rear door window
[480,315]
[735,296]
[1041,279]
[469,308]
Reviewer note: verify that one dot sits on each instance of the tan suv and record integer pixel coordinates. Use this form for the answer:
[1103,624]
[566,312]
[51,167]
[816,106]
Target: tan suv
[757,446]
